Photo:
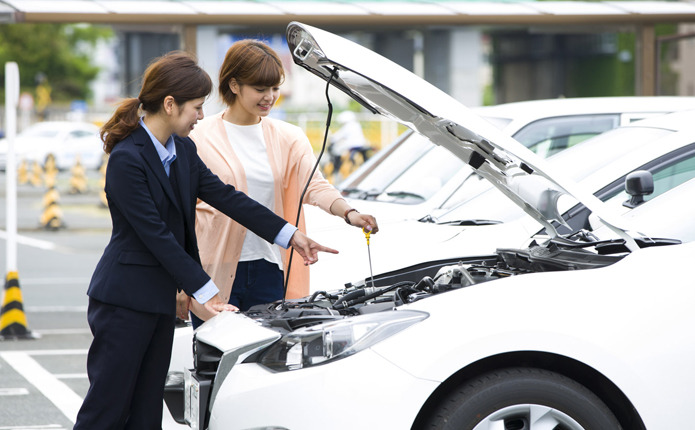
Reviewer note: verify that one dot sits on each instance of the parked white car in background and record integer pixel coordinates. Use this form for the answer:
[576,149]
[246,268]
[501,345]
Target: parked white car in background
[585,330]
[65,140]
[663,145]
[412,176]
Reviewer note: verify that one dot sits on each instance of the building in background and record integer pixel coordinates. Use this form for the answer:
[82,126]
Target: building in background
[452,59]
[478,52]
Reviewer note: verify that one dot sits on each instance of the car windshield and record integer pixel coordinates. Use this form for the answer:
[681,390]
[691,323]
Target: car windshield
[82,133]
[40,131]
[549,136]
[434,169]
[415,170]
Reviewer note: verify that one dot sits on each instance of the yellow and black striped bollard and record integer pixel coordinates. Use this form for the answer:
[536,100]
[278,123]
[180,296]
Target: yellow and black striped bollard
[52,216]
[13,321]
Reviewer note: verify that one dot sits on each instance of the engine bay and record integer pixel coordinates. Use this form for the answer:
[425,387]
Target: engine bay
[393,289]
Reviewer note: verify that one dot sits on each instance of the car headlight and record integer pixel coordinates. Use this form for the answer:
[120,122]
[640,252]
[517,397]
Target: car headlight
[310,346]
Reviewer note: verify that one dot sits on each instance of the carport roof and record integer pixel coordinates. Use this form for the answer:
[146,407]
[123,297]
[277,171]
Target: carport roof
[374,12]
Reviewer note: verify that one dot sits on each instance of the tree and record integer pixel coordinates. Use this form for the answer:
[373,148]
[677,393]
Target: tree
[57,54]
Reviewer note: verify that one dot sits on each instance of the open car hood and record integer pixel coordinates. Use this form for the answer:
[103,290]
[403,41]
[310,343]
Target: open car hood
[386,88]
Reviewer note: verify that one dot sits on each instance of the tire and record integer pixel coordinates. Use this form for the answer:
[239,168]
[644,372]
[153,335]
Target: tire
[522,399]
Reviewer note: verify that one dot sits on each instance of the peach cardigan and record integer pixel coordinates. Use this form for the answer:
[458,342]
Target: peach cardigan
[291,160]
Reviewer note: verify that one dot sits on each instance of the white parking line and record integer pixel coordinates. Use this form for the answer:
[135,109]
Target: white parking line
[54,331]
[54,351]
[37,243]
[56,391]
[55,308]
[70,375]
[13,392]
[41,427]
[54,281]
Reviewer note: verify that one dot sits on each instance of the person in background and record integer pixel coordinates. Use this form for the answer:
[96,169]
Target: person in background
[349,138]
[272,161]
[153,179]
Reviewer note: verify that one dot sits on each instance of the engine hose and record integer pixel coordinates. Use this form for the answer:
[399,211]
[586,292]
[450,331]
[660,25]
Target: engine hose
[318,160]
[385,290]
[316,294]
[362,295]
[425,284]
[349,298]
[321,293]
[400,293]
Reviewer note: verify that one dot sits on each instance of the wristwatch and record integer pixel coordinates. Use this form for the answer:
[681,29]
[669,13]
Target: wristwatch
[347,212]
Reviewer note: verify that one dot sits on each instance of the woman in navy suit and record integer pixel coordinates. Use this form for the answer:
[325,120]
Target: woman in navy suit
[153,180]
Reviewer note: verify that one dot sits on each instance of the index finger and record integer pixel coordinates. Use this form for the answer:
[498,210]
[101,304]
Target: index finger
[327,249]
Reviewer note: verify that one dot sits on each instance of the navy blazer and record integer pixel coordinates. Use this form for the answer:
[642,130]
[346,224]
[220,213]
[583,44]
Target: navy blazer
[153,250]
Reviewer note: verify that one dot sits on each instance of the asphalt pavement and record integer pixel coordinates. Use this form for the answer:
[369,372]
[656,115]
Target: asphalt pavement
[43,380]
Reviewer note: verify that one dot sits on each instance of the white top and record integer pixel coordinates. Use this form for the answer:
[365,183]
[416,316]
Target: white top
[249,145]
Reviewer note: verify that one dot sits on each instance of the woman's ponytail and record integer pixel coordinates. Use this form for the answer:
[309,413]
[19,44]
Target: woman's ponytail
[121,124]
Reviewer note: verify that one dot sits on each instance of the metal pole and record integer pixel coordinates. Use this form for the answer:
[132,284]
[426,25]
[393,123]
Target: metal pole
[646,61]
[13,322]
[11,101]
[659,42]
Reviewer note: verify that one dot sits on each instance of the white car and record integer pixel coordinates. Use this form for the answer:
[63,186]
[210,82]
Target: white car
[663,145]
[586,330]
[412,176]
[65,140]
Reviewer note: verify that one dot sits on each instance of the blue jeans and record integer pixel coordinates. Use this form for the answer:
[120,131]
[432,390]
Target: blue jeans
[257,282]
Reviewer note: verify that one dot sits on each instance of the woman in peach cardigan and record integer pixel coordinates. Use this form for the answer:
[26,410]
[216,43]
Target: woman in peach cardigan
[271,161]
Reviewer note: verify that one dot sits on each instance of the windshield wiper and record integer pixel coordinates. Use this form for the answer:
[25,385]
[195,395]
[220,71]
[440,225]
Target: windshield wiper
[404,194]
[459,222]
[357,193]
[428,218]
[463,222]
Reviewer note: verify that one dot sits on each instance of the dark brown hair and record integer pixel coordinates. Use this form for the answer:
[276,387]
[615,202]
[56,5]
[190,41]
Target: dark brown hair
[249,62]
[175,74]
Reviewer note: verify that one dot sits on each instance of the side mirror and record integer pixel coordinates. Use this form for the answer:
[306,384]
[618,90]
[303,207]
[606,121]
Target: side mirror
[638,184]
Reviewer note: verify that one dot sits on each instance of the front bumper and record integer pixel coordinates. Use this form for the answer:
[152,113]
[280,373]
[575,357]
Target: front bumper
[362,391]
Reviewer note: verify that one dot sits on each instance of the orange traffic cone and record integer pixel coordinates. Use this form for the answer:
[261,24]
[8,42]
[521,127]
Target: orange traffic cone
[13,322]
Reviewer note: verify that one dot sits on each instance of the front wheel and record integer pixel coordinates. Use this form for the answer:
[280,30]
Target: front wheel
[522,399]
